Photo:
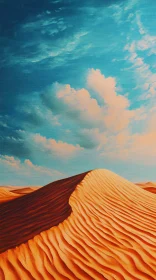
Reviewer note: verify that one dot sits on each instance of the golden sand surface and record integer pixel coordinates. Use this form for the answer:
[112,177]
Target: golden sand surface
[6,195]
[148,186]
[109,234]
[9,192]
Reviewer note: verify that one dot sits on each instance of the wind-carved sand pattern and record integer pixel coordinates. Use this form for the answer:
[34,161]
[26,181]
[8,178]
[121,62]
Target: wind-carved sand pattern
[108,233]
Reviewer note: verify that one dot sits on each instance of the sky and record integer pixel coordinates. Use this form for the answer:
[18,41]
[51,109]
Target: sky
[77,89]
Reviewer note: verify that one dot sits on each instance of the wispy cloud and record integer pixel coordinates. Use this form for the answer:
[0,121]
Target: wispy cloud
[78,82]
[145,78]
[21,172]
[48,37]
[93,120]
[91,138]
[57,149]
[77,105]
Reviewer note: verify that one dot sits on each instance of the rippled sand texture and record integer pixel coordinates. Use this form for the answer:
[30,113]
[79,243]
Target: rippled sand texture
[110,234]
[28,215]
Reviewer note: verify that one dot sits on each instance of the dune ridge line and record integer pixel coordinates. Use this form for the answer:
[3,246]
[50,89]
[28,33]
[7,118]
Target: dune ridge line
[109,234]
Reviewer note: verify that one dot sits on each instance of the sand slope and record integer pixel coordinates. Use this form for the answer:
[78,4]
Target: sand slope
[20,189]
[149,186]
[6,195]
[9,192]
[110,233]
[25,190]
[28,215]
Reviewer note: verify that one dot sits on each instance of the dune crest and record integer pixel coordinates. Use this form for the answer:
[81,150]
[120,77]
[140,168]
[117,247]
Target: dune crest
[25,190]
[28,215]
[110,234]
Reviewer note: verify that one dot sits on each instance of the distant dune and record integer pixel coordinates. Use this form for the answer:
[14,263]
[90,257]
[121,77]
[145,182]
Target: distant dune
[6,195]
[149,186]
[95,225]
[25,190]
[9,192]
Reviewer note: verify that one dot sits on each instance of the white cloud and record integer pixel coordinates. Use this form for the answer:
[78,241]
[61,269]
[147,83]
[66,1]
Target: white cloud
[113,115]
[105,128]
[106,88]
[145,78]
[39,32]
[16,169]
[44,24]
[148,42]
[117,114]
[76,105]
[10,161]
[138,147]
[58,149]
[130,4]
[92,138]
[120,10]
[37,114]
[140,25]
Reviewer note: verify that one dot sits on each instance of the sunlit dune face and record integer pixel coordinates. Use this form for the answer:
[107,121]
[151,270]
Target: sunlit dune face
[110,234]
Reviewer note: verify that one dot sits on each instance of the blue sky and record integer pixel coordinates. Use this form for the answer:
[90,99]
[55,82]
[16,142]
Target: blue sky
[78,89]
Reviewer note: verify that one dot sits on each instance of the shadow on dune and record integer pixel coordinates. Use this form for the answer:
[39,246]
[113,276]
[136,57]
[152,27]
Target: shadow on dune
[24,190]
[110,233]
[26,216]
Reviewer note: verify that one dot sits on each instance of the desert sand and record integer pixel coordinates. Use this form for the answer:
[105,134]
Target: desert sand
[148,186]
[9,192]
[6,195]
[95,225]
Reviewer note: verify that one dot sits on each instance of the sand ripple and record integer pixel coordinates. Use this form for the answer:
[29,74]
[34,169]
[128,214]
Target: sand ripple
[110,234]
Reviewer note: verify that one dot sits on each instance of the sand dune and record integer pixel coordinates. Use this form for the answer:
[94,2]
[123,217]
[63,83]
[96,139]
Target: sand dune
[35,212]
[107,231]
[6,195]
[148,186]
[9,192]
[25,190]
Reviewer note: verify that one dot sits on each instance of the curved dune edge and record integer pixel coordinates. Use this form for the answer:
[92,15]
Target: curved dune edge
[28,215]
[110,234]
[149,186]
[10,193]
[25,190]
[6,195]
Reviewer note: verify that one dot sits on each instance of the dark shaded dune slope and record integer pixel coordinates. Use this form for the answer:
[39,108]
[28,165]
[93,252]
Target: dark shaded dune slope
[110,233]
[149,186]
[153,190]
[25,217]
[150,189]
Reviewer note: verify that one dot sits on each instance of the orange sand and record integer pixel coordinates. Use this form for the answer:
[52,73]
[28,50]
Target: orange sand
[110,234]
[10,193]
[6,195]
[149,186]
